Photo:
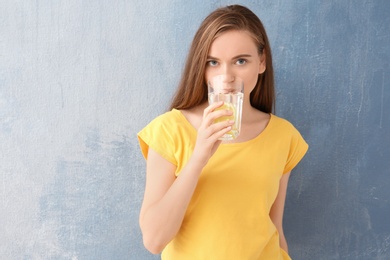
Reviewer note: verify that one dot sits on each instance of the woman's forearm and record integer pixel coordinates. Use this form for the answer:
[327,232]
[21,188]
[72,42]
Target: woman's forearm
[161,221]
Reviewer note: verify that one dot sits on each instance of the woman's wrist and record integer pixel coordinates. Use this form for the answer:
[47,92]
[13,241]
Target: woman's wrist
[197,162]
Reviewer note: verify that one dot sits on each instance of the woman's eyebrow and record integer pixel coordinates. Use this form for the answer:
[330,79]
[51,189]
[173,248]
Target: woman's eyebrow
[211,58]
[235,57]
[242,56]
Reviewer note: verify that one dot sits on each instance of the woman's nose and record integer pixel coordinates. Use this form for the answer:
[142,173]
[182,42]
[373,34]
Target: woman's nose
[227,78]
[227,71]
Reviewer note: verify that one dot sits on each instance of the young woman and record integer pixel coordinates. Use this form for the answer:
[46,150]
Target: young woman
[211,199]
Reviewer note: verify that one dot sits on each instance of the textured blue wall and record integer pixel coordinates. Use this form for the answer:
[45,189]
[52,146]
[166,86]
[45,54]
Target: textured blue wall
[79,79]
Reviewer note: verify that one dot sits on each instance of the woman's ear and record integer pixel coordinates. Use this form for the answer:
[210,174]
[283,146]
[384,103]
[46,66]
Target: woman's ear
[262,65]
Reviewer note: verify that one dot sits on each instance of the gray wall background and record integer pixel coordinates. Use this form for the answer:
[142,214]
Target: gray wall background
[79,79]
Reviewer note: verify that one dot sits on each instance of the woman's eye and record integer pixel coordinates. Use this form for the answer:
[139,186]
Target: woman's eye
[212,63]
[240,61]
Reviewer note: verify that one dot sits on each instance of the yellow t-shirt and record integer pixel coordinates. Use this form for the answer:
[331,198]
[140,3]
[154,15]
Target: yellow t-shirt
[228,216]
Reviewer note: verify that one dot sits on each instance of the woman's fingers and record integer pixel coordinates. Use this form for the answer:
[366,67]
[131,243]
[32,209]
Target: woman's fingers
[224,126]
[211,114]
[211,108]
[211,130]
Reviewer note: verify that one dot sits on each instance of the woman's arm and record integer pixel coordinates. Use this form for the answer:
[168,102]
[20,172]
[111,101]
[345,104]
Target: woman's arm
[277,210]
[165,200]
[166,196]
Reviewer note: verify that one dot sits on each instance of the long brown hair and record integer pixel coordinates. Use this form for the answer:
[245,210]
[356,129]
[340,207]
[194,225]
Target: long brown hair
[192,90]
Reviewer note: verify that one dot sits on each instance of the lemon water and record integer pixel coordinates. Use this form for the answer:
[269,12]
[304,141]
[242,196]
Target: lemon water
[232,102]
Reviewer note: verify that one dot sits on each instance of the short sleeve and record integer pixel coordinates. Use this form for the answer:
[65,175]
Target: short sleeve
[298,148]
[157,135]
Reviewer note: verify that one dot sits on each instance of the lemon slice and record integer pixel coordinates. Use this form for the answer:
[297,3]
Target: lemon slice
[226,106]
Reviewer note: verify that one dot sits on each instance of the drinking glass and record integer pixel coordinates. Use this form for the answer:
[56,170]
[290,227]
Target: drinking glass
[230,90]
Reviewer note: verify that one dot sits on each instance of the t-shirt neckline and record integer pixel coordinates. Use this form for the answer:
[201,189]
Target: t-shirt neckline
[259,136]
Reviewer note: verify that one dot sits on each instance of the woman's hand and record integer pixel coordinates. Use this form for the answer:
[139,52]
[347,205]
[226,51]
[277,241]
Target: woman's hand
[208,133]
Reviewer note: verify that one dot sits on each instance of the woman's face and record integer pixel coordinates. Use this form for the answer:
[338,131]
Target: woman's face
[234,53]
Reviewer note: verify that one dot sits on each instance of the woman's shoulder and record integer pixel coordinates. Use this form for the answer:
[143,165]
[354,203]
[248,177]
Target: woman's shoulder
[164,121]
[194,115]
[283,126]
[167,117]
[281,121]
